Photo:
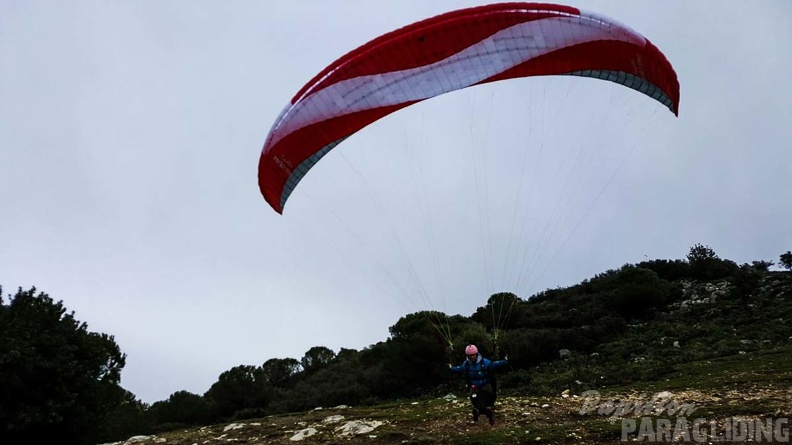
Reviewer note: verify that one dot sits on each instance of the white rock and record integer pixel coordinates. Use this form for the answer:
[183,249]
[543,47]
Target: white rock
[333,419]
[341,407]
[358,427]
[233,426]
[302,434]
[136,439]
[546,405]
[664,395]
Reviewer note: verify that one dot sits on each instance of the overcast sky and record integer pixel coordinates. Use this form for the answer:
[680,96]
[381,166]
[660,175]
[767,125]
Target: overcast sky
[130,134]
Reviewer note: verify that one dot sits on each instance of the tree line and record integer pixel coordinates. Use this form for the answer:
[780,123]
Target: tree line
[61,380]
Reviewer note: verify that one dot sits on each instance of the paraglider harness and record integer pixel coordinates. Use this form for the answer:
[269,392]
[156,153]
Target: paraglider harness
[489,377]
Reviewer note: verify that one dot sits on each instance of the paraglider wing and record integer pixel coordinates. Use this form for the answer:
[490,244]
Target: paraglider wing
[449,52]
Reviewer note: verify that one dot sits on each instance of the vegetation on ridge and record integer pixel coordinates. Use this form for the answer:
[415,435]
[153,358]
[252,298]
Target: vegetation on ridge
[654,325]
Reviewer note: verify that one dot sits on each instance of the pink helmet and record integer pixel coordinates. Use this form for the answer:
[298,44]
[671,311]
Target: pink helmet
[471,350]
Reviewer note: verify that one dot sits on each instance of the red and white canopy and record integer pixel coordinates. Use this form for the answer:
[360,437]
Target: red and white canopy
[449,52]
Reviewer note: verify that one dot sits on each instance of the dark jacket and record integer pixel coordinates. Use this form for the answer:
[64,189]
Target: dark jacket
[478,372]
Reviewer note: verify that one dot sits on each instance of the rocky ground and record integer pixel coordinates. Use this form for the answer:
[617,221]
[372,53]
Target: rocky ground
[739,399]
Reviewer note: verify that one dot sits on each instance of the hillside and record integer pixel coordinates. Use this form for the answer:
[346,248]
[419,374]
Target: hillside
[717,349]
[752,385]
[698,320]
[702,338]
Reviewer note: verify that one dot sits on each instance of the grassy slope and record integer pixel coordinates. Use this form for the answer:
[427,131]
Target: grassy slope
[752,384]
